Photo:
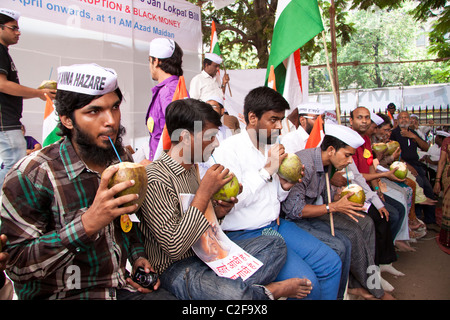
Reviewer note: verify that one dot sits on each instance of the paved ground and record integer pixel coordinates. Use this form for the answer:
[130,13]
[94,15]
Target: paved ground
[427,272]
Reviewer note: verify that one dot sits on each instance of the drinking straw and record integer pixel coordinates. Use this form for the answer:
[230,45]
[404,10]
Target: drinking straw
[115,149]
[346,174]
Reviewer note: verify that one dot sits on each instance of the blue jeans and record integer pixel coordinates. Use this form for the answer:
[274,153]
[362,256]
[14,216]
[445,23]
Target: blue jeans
[339,243]
[13,147]
[192,279]
[307,257]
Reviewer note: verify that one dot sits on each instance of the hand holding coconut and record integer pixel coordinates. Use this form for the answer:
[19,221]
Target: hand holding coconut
[398,171]
[47,87]
[214,179]
[225,199]
[351,202]
[106,206]
[290,171]
[275,156]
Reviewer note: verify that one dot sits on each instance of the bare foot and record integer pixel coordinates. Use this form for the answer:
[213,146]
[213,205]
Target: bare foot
[361,292]
[290,288]
[387,296]
[429,202]
[404,246]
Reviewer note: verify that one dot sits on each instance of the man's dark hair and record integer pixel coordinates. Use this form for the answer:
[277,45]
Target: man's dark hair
[386,119]
[206,62]
[263,99]
[66,102]
[5,19]
[182,114]
[172,65]
[331,141]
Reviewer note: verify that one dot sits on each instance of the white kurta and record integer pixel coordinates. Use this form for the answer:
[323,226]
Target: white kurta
[294,141]
[204,87]
[259,202]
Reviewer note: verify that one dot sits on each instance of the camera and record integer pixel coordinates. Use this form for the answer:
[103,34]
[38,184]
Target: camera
[145,280]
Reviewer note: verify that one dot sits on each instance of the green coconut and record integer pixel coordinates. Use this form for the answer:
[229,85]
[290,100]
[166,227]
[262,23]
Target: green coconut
[401,171]
[131,171]
[379,147]
[392,146]
[291,168]
[358,197]
[48,84]
[228,191]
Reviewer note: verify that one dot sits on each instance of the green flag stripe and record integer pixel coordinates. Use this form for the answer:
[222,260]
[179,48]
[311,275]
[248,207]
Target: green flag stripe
[299,22]
[52,137]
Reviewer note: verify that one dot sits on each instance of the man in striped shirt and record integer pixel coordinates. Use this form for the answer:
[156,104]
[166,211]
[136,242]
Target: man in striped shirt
[170,229]
[60,217]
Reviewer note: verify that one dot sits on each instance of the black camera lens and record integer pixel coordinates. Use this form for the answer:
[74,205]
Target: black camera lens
[145,280]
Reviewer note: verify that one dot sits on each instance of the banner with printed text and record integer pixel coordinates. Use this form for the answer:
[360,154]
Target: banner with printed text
[140,19]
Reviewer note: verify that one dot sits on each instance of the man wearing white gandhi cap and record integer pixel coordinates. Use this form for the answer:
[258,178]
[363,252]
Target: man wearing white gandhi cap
[207,83]
[308,113]
[347,135]
[72,204]
[12,93]
[165,57]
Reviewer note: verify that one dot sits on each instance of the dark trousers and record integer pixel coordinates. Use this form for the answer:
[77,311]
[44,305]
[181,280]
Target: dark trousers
[425,212]
[384,246]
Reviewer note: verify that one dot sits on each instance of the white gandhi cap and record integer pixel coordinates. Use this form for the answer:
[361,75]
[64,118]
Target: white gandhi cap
[311,108]
[442,133]
[345,134]
[213,57]
[161,48]
[376,118]
[10,13]
[90,79]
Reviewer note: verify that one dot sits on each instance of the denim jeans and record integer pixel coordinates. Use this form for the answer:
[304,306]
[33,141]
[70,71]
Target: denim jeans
[307,257]
[192,279]
[160,294]
[13,147]
[339,243]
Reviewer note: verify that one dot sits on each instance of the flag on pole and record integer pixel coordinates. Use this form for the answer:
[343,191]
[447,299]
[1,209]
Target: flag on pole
[180,93]
[391,117]
[296,22]
[271,83]
[214,40]
[317,134]
[50,126]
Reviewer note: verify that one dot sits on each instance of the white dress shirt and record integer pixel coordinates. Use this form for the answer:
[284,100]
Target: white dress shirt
[203,87]
[259,202]
[294,141]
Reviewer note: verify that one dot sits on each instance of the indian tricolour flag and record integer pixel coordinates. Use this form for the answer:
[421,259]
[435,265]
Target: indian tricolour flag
[296,22]
[214,40]
[50,129]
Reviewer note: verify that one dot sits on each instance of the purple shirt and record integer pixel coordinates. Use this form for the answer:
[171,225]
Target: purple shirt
[162,96]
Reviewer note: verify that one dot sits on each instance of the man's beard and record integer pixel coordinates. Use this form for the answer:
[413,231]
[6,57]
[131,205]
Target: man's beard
[90,152]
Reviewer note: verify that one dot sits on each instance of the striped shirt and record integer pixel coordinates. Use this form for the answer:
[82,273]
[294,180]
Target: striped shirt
[51,257]
[169,230]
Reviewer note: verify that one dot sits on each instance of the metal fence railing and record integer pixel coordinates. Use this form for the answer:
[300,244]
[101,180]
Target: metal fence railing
[435,116]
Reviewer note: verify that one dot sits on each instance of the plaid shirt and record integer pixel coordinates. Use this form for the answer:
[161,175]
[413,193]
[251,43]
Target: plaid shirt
[51,257]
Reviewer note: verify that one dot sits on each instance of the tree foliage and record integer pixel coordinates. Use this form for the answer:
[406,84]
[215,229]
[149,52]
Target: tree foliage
[245,29]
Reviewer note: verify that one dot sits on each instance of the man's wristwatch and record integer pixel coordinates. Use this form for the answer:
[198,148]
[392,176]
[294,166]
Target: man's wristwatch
[265,175]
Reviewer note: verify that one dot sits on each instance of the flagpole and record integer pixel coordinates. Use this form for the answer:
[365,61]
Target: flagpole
[327,178]
[228,83]
[336,100]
